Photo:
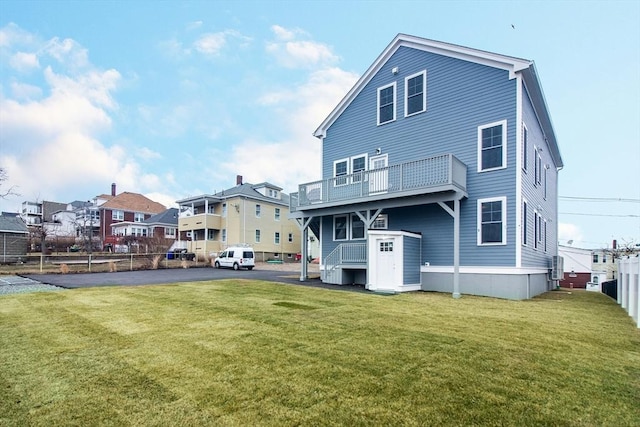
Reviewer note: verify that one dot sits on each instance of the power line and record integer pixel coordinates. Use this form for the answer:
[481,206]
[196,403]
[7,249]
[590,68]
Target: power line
[590,214]
[599,199]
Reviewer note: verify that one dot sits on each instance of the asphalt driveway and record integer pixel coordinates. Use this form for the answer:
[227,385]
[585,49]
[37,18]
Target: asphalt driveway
[158,277]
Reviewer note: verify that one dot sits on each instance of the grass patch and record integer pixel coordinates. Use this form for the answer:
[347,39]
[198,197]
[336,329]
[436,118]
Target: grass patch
[257,353]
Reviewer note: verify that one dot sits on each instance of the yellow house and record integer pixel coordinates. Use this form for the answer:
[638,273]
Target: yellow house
[256,215]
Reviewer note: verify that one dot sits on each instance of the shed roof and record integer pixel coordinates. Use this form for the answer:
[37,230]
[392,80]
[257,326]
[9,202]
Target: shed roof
[13,224]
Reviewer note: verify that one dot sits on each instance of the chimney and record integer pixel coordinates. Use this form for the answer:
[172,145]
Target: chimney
[238,179]
[615,244]
[113,189]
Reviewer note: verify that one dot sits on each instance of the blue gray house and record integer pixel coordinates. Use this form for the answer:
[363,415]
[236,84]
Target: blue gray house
[439,173]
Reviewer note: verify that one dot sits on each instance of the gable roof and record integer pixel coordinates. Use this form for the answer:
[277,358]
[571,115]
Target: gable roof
[168,217]
[242,190]
[13,224]
[133,202]
[514,65]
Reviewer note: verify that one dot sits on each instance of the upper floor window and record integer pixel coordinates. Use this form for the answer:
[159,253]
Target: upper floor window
[138,217]
[257,236]
[538,166]
[595,257]
[224,234]
[358,164]
[340,171]
[387,103]
[492,221]
[525,148]
[416,95]
[276,238]
[290,238]
[224,209]
[277,214]
[258,211]
[492,146]
[117,215]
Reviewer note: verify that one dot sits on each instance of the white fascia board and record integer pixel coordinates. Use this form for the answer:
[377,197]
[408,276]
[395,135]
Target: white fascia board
[482,270]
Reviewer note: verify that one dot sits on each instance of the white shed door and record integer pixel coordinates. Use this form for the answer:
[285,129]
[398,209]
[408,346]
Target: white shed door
[386,264]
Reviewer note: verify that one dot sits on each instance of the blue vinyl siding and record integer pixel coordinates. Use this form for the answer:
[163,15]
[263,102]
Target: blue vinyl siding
[534,194]
[411,262]
[460,97]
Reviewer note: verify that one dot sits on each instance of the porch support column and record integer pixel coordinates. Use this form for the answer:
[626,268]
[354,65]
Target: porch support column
[303,223]
[455,213]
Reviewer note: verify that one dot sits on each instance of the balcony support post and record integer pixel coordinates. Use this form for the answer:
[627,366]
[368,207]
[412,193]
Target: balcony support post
[303,223]
[455,213]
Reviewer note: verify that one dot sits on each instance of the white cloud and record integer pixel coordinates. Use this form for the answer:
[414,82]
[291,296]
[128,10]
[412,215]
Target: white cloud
[23,61]
[291,52]
[569,232]
[210,44]
[25,91]
[147,153]
[67,52]
[295,158]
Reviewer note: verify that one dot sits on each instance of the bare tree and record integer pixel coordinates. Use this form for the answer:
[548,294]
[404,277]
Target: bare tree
[623,248]
[11,191]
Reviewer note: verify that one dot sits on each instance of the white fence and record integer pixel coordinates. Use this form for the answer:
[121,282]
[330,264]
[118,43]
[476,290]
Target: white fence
[629,286]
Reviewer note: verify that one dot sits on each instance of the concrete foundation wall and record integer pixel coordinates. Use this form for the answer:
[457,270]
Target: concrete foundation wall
[509,286]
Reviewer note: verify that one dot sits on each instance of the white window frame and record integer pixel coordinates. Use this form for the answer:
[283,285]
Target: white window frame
[117,215]
[537,166]
[224,210]
[276,238]
[355,179]
[290,238]
[423,73]
[337,182]
[138,217]
[503,200]
[544,182]
[381,222]
[395,95]
[364,229]
[224,234]
[258,210]
[346,233]
[276,214]
[257,236]
[525,223]
[525,148]
[502,123]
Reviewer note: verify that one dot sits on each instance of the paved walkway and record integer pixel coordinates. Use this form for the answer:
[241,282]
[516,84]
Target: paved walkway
[289,274]
[23,285]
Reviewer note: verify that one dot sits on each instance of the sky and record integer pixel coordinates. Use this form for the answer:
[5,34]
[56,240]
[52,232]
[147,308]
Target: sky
[173,99]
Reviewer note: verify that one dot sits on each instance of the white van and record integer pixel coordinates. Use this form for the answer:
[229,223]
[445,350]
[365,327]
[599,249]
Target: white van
[236,257]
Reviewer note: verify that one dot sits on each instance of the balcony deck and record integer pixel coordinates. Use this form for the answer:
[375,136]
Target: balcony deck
[418,177]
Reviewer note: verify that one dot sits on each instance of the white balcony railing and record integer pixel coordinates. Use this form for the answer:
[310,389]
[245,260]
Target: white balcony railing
[417,176]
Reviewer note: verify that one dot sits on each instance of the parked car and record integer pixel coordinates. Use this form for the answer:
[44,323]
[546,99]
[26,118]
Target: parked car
[236,258]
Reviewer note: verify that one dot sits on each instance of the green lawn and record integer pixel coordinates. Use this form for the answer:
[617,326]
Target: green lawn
[257,353]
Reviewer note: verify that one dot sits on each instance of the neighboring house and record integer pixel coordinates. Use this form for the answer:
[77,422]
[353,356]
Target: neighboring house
[38,213]
[124,207]
[255,215]
[14,238]
[603,260]
[439,173]
[578,268]
[163,226]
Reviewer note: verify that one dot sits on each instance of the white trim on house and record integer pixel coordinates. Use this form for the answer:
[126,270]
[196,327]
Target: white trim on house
[503,164]
[520,155]
[473,269]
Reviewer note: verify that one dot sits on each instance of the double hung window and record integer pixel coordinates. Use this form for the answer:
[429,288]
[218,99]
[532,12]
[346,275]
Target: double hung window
[387,103]
[492,146]
[492,221]
[416,94]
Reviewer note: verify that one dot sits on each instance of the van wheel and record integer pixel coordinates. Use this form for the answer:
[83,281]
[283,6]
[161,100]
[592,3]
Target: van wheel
[236,266]
[217,264]
[249,268]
